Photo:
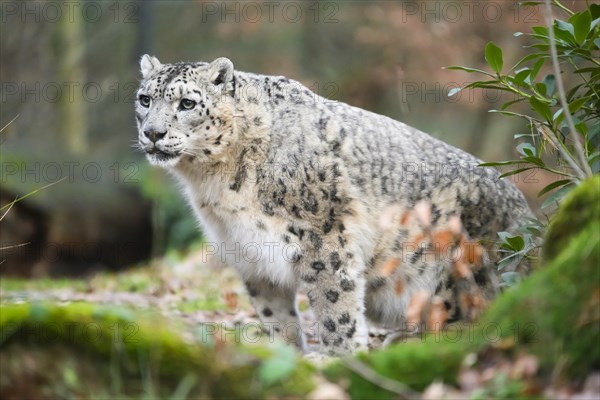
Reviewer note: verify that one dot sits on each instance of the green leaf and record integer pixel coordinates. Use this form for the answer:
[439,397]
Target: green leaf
[540,30]
[527,149]
[521,135]
[453,91]
[541,108]
[522,76]
[542,47]
[515,171]
[564,41]
[581,127]
[511,278]
[467,69]
[553,185]
[535,161]
[594,131]
[529,3]
[594,161]
[585,70]
[573,91]
[581,24]
[510,113]
[540,87]
[516,243]
[558,117]
[550,82]
[536,68]
[528,57]
[493,56]
[593,156]
[595,10]
[503,236]
[510,103]
[565,27]
[500,163]
[557,195]
[279,366]
[575,105]
[534,231]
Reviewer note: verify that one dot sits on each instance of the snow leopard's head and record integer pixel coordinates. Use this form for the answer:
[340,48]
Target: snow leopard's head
[184,111]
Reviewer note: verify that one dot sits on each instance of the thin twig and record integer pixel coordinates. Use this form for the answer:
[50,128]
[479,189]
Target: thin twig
[372,376]
[14,246]
[565,9]
[11,206]
[561,149]
[586,172]
[10,122]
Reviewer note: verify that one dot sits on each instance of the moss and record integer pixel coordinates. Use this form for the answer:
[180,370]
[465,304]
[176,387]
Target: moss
[15,285]
[142,345]
[556,312]
[415,364]
[580,208]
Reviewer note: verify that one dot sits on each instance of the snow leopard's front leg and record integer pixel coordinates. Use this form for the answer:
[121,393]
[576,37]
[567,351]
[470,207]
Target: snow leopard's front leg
[276,308]
[333,277]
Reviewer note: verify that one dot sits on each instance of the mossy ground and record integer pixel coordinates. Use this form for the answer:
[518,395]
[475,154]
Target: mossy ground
[147,332]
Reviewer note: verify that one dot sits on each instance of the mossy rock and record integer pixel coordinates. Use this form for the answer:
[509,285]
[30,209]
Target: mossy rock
[146,353]
[555,314]
[579,209]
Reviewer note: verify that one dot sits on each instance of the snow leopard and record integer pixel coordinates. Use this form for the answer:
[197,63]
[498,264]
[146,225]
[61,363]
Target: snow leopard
[294,191]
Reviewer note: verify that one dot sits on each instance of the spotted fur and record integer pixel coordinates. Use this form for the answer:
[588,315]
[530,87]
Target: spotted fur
[269,166]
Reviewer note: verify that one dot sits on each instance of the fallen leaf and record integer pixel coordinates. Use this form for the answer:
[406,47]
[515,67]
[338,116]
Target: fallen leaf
[504,344]
[469,380]
[231,299]
[439,391]
[526,366]
[326,390]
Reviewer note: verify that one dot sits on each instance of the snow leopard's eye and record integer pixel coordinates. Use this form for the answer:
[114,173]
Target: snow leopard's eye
[144,100]
[187,104]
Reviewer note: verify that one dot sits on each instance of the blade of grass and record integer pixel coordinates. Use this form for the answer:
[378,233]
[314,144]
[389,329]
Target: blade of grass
[31,193]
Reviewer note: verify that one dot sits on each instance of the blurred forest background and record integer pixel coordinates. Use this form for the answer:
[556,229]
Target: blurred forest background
[70,71]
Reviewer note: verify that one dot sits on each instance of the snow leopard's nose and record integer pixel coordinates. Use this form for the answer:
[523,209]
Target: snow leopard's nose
[154,135]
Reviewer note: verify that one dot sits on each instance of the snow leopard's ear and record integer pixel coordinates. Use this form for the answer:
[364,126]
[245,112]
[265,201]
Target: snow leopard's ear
[221,71]
[148,64]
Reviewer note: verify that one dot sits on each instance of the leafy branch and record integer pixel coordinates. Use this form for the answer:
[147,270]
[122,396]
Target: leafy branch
[564,121]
